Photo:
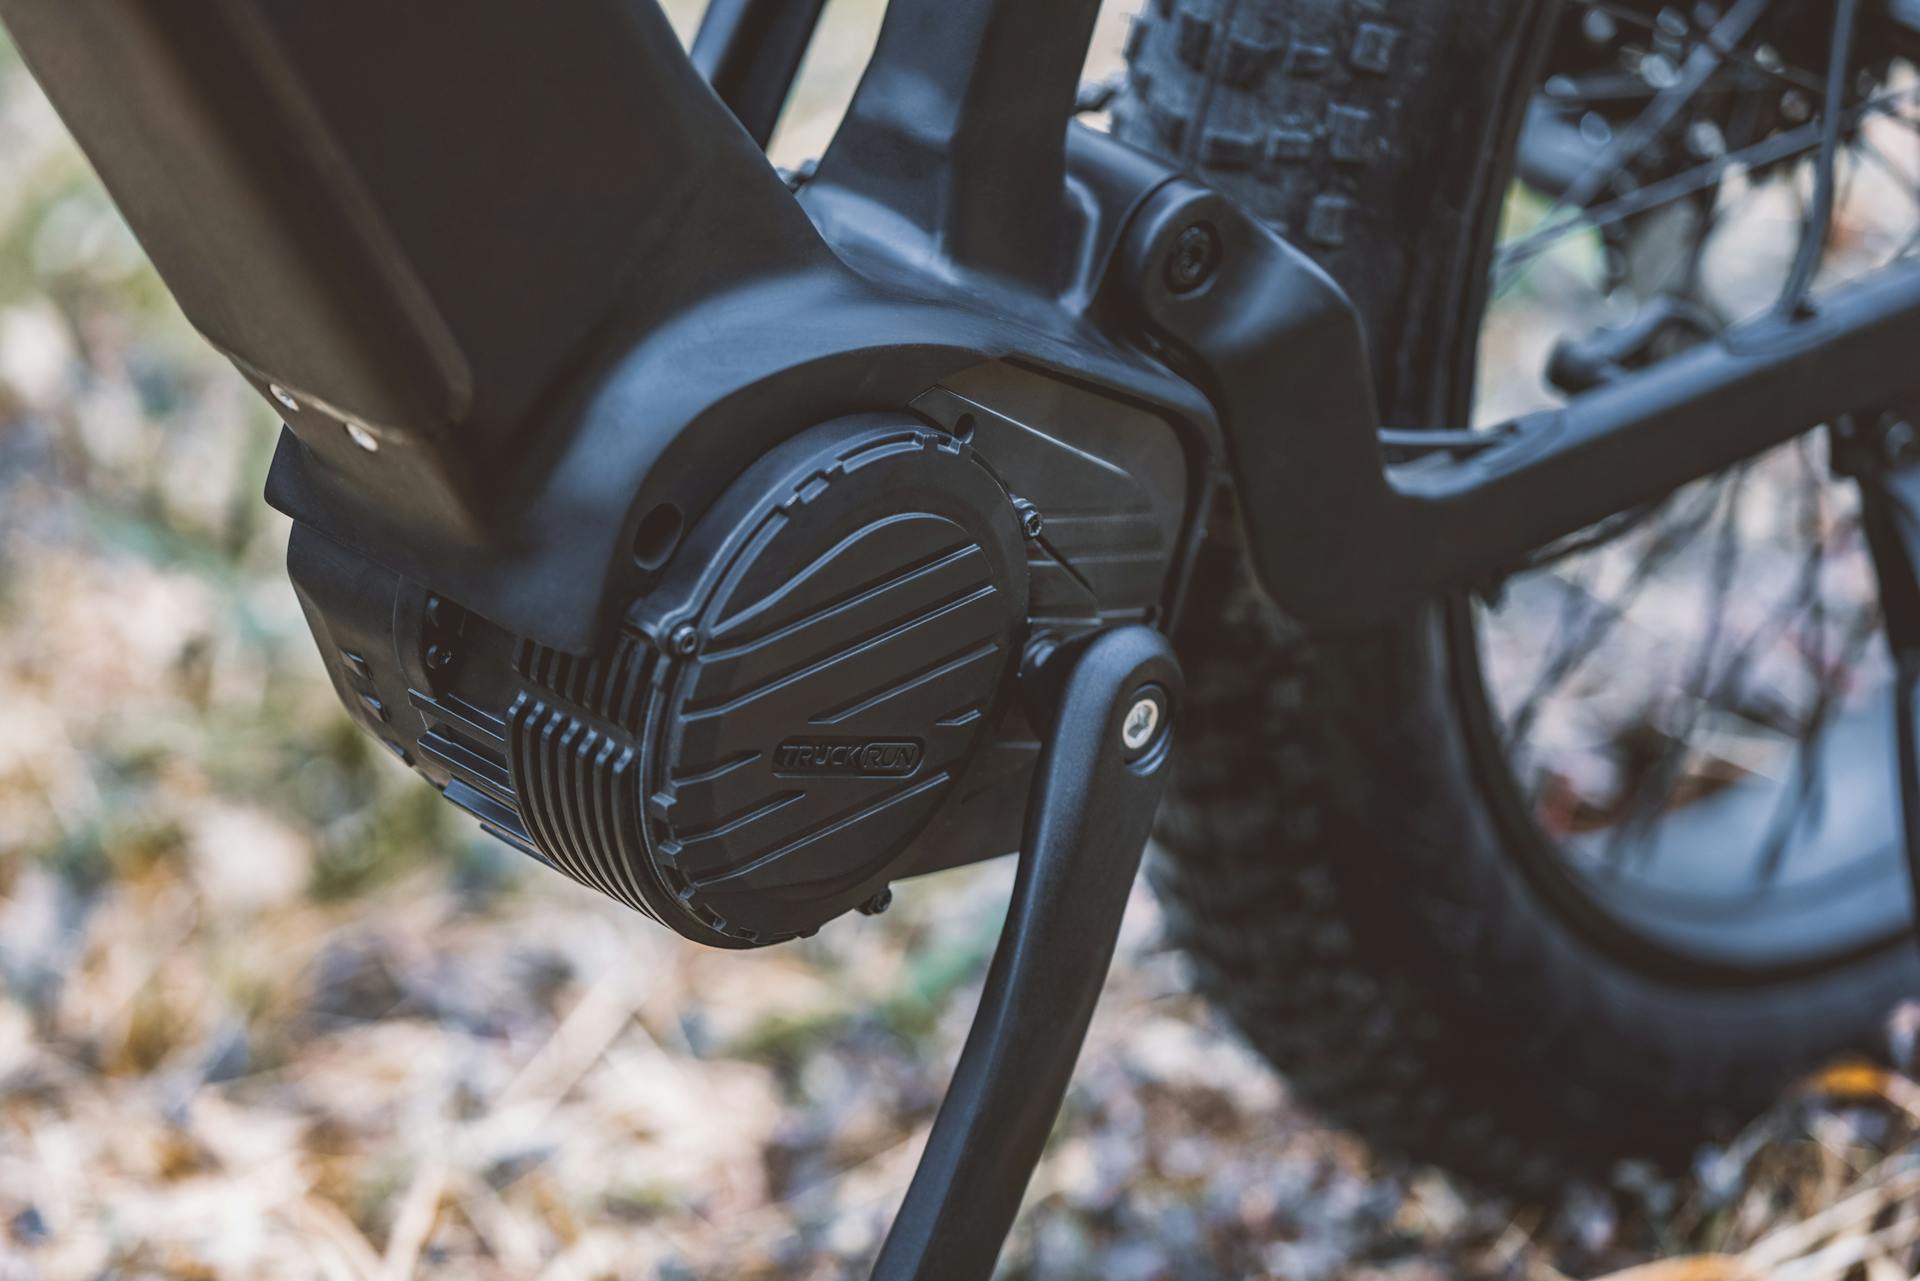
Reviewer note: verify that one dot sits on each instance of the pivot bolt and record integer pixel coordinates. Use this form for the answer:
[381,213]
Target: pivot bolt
[1195,256]
[1031,521]
[685,640]
[1143,719]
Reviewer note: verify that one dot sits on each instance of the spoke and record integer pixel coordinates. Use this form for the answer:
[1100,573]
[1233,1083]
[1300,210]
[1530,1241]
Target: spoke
[1696,35]
[1804,601]
[1807,762]
[1666,107]
[1819,227]
[1576,601]
[1786,816]
[1759,155]
[1765,667]
[1600,617]
[1667,772]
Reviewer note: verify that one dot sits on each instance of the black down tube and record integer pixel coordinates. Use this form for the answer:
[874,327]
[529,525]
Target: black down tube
[419,218]
[1088,820]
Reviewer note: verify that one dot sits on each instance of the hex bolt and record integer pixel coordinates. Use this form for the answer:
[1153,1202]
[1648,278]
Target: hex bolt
[1031,521]
[878,903]
[1193,259]
[685,640]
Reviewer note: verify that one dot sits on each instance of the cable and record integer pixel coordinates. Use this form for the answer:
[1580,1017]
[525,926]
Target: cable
[1813,243]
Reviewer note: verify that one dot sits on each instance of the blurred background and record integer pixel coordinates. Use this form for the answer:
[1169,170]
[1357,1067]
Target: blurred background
[269,1008]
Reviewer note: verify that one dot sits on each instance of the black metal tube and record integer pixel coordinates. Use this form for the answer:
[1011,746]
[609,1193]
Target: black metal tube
[415,218]
[959,125]
[1338,539]
[750,50]
[1614,448]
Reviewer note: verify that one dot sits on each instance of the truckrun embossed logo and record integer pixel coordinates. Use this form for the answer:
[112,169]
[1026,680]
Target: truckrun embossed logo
[859,758]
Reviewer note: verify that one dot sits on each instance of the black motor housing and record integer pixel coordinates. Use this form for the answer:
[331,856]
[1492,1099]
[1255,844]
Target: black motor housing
[835,643]
[817,681]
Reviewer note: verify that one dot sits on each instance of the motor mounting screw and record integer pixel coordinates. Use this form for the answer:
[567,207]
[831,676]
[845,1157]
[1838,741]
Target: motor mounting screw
[685,640]
[1193,259]
[439,657]
[1031,521]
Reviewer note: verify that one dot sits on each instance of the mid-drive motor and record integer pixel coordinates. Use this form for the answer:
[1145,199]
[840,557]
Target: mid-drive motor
[812,696]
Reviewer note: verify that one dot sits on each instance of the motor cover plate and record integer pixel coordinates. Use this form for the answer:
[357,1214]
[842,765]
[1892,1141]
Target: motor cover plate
[832,666]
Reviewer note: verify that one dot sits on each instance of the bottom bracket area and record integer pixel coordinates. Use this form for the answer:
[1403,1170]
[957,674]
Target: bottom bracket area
[757,747]
[808,694]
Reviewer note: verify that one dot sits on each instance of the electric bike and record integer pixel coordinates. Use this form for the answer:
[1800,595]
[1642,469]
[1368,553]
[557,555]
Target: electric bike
[1534,763]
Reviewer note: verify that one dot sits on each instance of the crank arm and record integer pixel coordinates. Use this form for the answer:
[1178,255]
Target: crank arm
[1098,784]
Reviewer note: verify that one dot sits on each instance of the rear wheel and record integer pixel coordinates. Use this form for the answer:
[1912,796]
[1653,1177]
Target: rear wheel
[1523,887]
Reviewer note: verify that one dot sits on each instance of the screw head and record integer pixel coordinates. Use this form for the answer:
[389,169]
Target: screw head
[1141,724]
[1031,521]
[282,395]
[685,640]
[439,657]
[878,903]
[1193,259]
[363,438]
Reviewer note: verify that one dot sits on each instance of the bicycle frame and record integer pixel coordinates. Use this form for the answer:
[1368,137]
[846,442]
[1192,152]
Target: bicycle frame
[477,311]
[499,362]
